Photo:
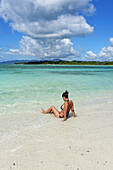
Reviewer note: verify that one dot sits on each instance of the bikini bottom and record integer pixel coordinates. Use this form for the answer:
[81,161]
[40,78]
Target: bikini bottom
[66,116]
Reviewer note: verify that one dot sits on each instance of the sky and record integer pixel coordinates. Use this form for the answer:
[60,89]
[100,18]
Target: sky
[56,30]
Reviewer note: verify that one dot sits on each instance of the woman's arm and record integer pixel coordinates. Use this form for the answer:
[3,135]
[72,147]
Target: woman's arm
[72,110]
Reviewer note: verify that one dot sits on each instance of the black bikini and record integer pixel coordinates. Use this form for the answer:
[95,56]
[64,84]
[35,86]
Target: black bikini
[61,106]
[62,109]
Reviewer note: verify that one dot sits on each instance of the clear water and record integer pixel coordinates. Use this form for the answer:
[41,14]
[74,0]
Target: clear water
[45,83]
[24,89]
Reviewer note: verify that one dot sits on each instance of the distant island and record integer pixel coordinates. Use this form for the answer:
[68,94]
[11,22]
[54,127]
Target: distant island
[74,62]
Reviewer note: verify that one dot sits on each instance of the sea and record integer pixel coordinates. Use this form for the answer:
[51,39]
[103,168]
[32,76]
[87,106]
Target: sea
[24,89]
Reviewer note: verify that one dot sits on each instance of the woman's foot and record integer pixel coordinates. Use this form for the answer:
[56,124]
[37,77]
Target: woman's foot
[43,111]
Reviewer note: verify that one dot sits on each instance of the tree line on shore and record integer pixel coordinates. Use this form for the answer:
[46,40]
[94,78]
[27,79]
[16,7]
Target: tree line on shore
[74,62]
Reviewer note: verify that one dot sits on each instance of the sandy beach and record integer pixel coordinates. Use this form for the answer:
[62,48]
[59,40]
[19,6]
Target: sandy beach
[81,143]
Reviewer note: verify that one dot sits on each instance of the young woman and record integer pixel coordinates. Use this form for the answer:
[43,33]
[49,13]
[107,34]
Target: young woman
[66,107]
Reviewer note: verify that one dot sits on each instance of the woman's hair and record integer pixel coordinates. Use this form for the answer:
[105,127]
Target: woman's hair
[65,94]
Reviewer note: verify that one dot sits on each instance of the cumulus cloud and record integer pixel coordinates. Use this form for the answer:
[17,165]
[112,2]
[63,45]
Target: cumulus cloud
[63,27]
[106,53]
[44,21]
[49,49]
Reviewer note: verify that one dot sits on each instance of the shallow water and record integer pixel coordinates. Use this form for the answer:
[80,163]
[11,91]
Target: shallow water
[24,89]
[38,83]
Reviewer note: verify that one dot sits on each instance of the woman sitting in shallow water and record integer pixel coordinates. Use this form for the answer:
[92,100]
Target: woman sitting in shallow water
[66,107]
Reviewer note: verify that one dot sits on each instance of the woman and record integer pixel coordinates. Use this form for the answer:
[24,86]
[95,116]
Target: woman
[66,107]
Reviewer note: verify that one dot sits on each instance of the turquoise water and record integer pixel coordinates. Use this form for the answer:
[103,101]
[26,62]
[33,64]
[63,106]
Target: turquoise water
[24,89]
[45,83]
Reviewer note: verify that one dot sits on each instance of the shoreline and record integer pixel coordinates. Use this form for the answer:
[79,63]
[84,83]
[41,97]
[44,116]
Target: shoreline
[61,64]
[65,64]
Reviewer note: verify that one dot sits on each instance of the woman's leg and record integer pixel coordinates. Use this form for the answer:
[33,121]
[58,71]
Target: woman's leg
[52,108]
[47,111]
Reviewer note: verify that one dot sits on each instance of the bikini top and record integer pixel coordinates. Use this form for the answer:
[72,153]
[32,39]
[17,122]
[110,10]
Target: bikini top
[63,104]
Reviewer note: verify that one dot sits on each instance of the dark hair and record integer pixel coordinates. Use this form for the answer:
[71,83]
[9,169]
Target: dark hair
[65,94]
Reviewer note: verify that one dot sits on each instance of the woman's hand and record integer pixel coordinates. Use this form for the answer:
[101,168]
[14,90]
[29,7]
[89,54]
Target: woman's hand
[63,120]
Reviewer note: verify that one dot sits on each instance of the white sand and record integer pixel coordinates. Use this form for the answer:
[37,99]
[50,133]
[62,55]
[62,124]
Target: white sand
[82,143]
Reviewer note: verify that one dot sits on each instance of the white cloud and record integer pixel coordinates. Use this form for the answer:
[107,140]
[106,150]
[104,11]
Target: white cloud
[32,10]
[13,51]
[49,49]
[63,27]
[48,25]
[43,18]
[89,10]
[106,53]
[90,55]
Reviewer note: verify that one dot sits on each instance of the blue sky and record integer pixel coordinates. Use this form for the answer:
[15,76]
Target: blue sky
[59,29]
